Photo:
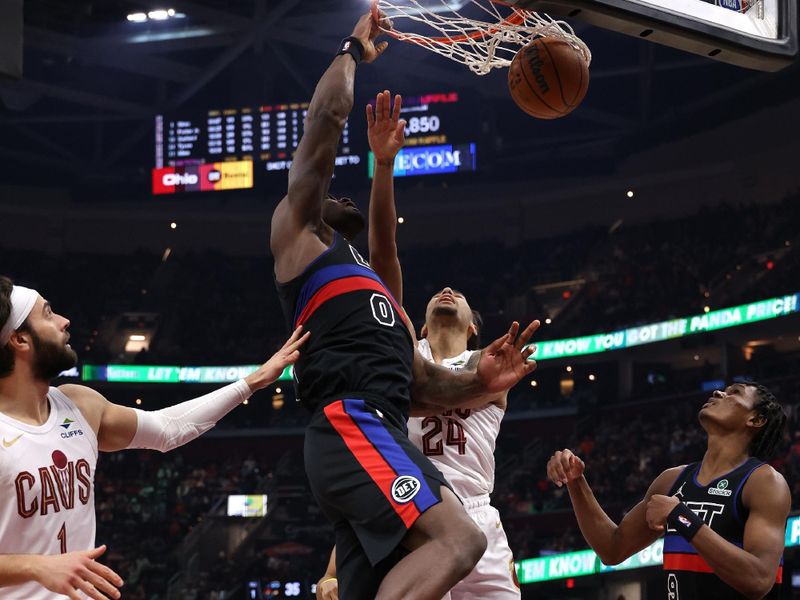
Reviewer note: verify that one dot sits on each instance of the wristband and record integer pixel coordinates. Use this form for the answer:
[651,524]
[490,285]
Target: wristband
[684,520]
[352,46]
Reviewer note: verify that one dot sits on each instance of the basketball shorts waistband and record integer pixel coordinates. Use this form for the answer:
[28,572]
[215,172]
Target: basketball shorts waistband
[474,503]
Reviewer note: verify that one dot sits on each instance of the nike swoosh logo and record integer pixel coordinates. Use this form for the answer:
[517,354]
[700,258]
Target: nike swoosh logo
[8,444]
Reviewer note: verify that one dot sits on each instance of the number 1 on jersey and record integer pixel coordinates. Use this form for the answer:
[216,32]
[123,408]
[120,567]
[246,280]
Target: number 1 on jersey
[62,537]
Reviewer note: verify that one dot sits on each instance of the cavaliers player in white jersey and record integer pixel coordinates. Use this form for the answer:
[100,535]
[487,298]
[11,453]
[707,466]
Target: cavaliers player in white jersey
[49,443]
[460,442]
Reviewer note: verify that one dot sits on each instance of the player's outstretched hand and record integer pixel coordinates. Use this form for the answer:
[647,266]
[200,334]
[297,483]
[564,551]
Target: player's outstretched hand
[78,575]
[658,509]
[272,369]
[366,30]
[564,467]
[505,361]
[386,131]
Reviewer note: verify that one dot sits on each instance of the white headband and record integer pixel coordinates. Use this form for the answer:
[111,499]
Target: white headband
[22,301]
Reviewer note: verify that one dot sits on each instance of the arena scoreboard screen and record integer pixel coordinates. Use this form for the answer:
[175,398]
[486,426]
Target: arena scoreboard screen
[243,148]
[437,137]
[230,148]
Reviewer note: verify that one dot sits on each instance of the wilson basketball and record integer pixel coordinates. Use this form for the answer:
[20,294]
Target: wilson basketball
[548,78]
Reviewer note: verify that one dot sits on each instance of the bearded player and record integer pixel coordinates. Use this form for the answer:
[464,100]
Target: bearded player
[50,442]
[723,519]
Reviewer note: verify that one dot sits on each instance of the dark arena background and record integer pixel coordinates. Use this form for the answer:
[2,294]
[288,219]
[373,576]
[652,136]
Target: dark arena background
[655,231]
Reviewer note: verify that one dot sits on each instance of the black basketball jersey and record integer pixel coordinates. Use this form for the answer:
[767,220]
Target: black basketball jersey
[720,506]
[360,345]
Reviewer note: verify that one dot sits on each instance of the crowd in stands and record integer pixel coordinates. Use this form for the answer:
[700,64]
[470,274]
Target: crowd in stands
[217,309]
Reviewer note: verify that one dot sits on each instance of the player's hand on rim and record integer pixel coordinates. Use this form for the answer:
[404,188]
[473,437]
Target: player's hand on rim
[564,467]
[386,131]
[366,30]
[505,361]
[75,572]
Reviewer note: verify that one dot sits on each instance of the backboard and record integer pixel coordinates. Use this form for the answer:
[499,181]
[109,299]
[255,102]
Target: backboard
[758,34]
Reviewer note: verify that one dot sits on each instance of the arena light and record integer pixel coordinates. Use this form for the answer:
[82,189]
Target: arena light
[706,309]
[630,194]
[173,225]
[159,14]
[592,377]
[138,402]
[138,17]
[401,220]
[138,338]
[548,320]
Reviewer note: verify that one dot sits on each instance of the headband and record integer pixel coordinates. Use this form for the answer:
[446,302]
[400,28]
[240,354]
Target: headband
[22,301]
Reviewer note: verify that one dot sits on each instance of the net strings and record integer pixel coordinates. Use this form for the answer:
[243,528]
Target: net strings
[480,45]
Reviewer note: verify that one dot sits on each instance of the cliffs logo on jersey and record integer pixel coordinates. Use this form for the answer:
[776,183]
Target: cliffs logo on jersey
[404,488]
[721,489]
[54,487]
[70,432]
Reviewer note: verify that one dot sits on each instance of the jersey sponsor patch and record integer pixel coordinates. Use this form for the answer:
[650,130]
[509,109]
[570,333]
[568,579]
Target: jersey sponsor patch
[721,489]
[404,488]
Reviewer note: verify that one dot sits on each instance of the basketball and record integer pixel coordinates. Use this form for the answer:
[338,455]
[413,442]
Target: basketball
[548,78]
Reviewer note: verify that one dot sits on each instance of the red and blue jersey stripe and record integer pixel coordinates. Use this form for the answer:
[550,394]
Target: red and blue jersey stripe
[335,280]
[680,555]
[379,455]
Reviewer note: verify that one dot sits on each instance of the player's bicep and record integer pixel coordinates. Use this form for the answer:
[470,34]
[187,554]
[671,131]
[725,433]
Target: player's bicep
[765,529]
[117,428]
[312,165]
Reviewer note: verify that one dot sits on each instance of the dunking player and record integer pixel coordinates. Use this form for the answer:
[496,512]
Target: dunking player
[460,442]
[393,513]
[50,440]
[724,517]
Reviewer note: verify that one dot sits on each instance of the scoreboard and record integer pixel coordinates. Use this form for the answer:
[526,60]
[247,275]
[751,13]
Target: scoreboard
[231,146]
[229,149]
[438,137]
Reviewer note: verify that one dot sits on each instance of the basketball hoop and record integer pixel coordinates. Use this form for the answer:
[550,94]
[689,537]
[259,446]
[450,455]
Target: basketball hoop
[480,45]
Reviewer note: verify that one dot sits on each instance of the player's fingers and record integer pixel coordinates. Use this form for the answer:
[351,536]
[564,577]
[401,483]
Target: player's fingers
[527,333]
[387,104]
[526,352]
[398,102]
[496,345]
[74,595]
[379,48]
[101,584]
[295,345]
[88,589]
[295,335]
[106,573]
[96,552]
[529,366]
[513,331]
[370,116]
[400,130]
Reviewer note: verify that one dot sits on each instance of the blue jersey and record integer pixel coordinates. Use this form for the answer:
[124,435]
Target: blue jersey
[360,345]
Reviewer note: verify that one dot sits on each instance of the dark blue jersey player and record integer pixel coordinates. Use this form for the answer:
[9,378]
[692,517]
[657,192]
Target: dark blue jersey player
[393,512]
[723,519]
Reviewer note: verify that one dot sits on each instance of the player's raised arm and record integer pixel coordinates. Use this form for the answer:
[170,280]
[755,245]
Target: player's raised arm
[386,133]
[613,543]
[119,427]
[312,165]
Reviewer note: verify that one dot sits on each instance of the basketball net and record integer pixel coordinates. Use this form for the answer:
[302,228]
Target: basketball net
[480,45]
